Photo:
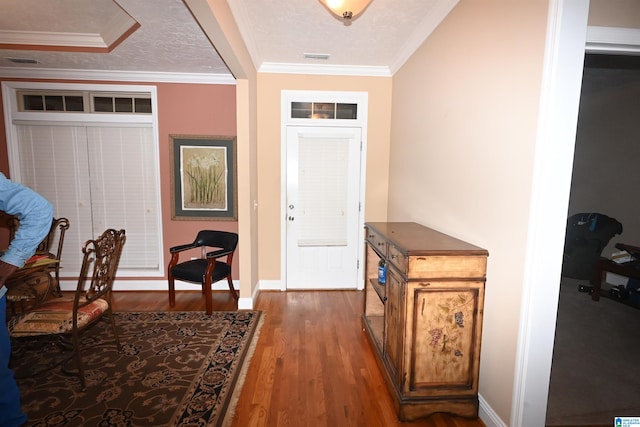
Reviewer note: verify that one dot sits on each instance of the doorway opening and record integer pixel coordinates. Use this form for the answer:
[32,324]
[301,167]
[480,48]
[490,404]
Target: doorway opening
[323,159]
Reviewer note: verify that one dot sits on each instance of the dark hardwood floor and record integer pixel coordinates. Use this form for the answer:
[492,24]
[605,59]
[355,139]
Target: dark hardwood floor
[313,365]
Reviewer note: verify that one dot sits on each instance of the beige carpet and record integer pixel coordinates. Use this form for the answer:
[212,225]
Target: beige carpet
[595,373]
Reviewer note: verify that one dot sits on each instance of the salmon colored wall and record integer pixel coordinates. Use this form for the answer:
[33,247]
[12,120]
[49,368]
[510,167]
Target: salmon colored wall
[183,109]
[191,109]
[4,156]
[4,167]
[218,23]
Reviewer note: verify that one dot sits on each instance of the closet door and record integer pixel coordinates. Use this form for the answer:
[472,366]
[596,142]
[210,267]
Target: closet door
[98,177]
[123,190]
[53,161]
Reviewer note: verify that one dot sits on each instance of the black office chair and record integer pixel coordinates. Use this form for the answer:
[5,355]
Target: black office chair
[586,236]
[207,269]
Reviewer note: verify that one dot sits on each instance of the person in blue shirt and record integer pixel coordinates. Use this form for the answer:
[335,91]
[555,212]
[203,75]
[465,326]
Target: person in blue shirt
[35,214]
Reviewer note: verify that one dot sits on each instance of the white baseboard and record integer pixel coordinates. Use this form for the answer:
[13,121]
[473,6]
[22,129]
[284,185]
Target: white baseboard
[150,285]
[249,303]
[488,415]
[161,285]
[271,285]
[245,304]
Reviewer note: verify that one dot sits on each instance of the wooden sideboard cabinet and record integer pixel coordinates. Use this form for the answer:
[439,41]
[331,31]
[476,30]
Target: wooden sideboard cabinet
[425,322]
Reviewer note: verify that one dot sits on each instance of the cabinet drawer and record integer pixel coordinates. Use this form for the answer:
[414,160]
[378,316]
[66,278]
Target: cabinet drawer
[427,267]
[398,259]
[377,241]
[461,267]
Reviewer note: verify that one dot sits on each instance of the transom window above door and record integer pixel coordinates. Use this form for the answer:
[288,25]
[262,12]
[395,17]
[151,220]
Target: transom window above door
[324,110]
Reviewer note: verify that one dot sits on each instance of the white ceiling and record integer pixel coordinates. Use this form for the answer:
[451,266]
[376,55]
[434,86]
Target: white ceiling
[169,40]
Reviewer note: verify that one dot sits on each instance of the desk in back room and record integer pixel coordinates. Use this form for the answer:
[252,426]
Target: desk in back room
[628,269]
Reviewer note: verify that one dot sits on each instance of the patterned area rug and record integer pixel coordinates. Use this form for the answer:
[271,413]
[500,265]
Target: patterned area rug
[175,369]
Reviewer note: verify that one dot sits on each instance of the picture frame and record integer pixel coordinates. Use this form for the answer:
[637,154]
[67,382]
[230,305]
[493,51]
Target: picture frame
[203,177]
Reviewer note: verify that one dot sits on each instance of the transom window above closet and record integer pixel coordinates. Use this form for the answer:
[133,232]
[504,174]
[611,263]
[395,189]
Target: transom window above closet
[84,102]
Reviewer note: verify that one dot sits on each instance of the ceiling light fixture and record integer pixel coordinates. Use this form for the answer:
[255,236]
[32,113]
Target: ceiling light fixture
[346,9]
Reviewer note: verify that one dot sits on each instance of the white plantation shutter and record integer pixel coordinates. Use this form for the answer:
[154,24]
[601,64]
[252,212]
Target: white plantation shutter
[98,177]
[49,163]
[123,193]
[322,203]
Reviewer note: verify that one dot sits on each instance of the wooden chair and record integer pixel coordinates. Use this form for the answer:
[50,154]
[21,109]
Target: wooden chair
[207,269]
[27,288]
[51,247]
[91,301]
[59,226]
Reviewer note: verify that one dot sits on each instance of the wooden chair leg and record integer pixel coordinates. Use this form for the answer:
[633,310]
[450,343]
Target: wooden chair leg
[57,291]
[78,358]
[172,292]
[114,329]
[208,298]
[231,288]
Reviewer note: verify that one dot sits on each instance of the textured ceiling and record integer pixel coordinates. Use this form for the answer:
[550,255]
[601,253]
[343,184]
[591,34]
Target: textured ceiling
[168,40]
[277,33]
[384,35]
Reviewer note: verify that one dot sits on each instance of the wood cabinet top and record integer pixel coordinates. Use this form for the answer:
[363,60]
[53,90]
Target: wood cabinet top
[415,239]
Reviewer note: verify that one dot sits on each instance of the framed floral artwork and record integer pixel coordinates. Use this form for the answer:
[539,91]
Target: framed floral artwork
[203,178]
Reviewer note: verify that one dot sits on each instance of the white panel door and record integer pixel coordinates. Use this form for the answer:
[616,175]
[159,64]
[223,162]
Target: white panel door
[323,176]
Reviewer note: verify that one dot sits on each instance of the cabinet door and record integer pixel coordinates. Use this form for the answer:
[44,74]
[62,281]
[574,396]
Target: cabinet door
[394,325]
[444,326]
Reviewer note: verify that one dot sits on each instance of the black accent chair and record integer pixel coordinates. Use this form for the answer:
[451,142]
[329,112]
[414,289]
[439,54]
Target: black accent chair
[587,235]
[207,269]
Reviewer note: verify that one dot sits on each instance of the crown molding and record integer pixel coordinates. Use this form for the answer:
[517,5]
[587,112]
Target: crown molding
[119,76]
[431,21]
[50,38]
[117,28]
[615,40]
[325,69]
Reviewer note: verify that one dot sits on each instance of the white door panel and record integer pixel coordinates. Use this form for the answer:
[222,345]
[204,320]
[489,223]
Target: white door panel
[323,175]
